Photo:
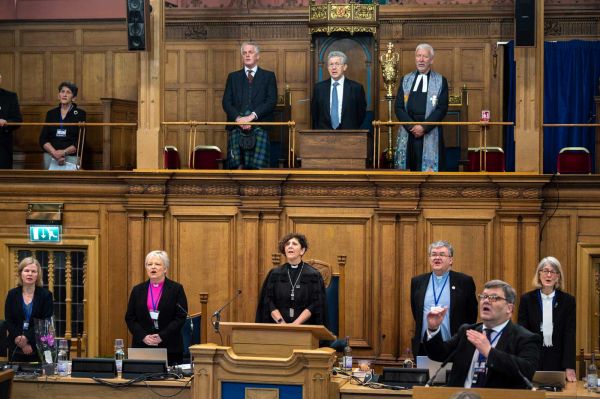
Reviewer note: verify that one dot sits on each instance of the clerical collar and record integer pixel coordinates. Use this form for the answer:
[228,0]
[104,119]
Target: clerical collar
[421,77]
[443,276]
[295,266]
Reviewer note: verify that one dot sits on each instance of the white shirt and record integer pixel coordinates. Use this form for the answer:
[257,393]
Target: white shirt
[547,322]
[340,95]
[251,69]
[495,340]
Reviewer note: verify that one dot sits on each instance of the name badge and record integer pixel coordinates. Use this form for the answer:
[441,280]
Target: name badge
[154,314]
[61,132]
[25,325]
[478,374]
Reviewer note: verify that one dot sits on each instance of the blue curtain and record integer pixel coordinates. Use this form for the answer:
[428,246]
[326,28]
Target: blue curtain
[571,77]
[571,73]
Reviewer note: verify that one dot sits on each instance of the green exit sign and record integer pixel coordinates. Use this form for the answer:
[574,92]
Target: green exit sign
[45,233]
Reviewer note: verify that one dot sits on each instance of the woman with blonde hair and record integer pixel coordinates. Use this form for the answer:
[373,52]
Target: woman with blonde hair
[24,303]
[550,312]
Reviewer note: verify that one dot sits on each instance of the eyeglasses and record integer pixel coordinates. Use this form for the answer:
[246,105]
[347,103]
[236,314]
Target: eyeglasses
[491,298]
[435,255]
[335,64]
[548,271]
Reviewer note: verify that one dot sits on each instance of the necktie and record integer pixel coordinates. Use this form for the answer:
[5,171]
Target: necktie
[250,77]
[481,360]
[335,117]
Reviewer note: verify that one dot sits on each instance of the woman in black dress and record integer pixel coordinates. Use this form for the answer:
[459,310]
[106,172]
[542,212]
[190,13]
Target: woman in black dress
[550,312]
[294,292]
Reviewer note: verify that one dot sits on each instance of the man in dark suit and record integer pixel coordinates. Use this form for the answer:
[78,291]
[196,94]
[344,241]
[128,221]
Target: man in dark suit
[344,110]
[492,354]
[250,96]
[9,112]
[442,287]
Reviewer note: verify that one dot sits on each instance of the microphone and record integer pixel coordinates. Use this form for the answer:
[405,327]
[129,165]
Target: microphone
[444,363]
[188,317]
[525,379]
[217,314]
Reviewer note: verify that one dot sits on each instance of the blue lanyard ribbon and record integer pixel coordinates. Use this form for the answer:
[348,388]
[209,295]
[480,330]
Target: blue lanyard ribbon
[498,334]
[154,304]
[60,115]
[436,298]
[27,309]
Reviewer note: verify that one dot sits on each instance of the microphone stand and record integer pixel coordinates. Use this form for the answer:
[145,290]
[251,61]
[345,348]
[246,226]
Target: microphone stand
[217,315]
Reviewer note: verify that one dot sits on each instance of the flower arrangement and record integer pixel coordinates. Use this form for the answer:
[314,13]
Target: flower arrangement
[45,334]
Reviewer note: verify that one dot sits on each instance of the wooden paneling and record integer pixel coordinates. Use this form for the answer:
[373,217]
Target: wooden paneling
[94,79]
[221,229]
[33,77]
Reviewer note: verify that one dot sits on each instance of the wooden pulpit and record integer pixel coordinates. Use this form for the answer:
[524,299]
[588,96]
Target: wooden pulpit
[485,393]
[272,340]
[264,360]
[333,149]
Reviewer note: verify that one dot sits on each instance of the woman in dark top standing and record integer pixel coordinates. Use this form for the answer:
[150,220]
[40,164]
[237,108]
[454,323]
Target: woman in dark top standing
[28,301]
[294,292]
[60,142]
[157,309]
[550,312]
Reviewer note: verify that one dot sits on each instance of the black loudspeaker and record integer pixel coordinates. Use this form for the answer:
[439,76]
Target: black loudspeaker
[133,368]
[138,18]
[90,367]
[525,23]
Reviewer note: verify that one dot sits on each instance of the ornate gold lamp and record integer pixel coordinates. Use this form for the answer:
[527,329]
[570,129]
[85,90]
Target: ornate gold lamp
[389,70]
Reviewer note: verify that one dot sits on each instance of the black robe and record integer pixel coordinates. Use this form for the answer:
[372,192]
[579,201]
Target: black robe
[309,294]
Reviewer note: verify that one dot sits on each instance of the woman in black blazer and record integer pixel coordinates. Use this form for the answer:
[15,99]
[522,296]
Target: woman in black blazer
[157,309]
[550,312]
[28,301]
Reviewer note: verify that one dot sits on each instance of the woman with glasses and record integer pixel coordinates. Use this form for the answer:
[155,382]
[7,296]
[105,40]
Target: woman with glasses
[550,312]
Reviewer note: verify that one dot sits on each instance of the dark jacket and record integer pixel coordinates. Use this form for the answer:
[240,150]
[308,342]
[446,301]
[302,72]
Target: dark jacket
[561,355]
[170,319]
[13,312]
[48,133]
[516,347]
[263,97]
[9,110]
[463,303]
[354,105]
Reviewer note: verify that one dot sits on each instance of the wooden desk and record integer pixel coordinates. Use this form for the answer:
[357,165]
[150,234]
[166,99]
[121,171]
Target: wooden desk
[352,391]
[76,388]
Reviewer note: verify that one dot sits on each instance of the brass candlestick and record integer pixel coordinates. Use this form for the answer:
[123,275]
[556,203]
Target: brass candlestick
[389,70]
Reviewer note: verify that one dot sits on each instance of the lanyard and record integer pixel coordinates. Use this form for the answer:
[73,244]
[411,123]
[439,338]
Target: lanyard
[498,334]
[436,298]
[154,304]
[60,115]
[542,304]
[27,309]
